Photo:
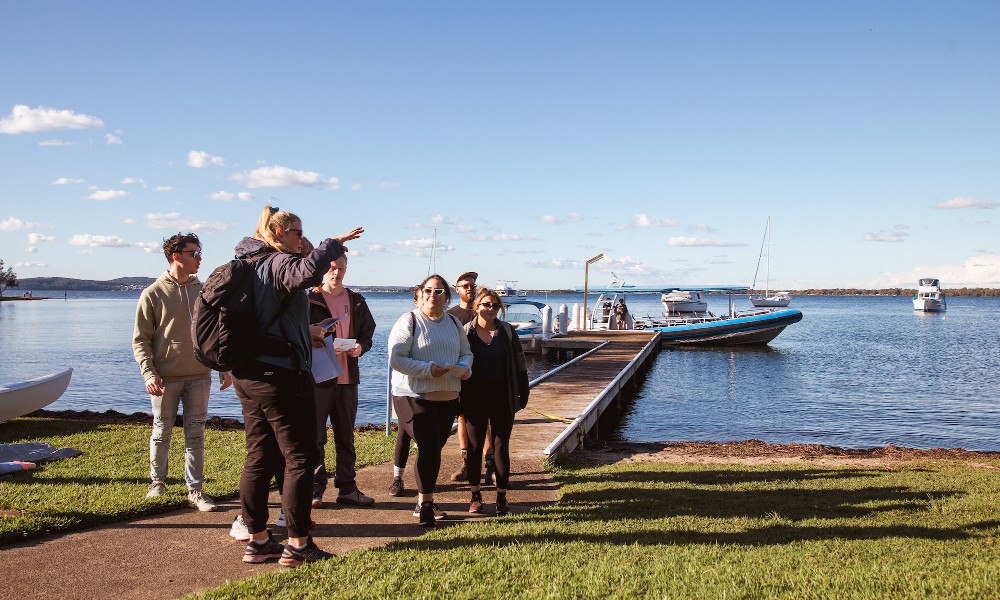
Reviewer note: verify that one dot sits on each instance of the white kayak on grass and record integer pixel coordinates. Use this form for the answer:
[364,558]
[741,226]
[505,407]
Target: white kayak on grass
[19,399]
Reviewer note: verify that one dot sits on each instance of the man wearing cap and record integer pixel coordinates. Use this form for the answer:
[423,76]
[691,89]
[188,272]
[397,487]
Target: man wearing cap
[465,285]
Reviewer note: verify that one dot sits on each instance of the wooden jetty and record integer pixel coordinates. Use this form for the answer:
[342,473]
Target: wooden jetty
[567,404]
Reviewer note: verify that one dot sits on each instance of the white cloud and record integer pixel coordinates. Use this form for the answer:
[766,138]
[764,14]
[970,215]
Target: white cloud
[113,139]
[386,184]
[224,196]
[15,224]
[574,216]
[30,264]
[692,242]
[355,187]
[200,160]
[567,264]
[98,241]
[375,248]
[702,228]
[164,188]
[134,181]
[127,220]
[175,222]
[279,176]
[504,237]
[54,143]
[961,202]
[896,234]
[105,195]
[422,246]
[443,220]
[148,247]
[24,119]
[645,221]
[550,219]
[66,181]
[30,250]
[34,238]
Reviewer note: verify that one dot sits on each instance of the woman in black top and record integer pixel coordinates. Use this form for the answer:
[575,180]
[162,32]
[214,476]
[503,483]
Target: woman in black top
[497,389]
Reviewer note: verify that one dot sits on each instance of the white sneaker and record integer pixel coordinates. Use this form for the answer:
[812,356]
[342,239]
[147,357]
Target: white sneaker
[281,519]
[201,501]
[156,489]
[239,531]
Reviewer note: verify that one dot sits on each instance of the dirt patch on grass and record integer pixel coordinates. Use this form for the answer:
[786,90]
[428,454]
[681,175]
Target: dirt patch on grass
[756,452]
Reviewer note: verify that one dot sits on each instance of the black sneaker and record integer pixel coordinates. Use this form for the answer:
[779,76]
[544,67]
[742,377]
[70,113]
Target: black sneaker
[438,513]
[293,557]
[502,508]
[427,518]
[258,552]
[396,489]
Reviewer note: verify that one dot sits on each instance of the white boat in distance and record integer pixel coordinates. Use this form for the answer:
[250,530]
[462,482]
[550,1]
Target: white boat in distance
[19,399]
[767,299]
[506,288]
[930,296]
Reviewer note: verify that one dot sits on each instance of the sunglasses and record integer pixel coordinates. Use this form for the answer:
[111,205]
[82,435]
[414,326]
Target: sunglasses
[466,286]
[194,253]
[434,291]
[488,305]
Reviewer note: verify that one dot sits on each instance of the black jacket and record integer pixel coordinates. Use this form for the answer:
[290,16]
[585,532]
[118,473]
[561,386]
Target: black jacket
[517,369]
[361,326]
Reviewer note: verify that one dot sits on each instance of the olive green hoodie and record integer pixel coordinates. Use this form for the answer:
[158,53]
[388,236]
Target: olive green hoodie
[162,341]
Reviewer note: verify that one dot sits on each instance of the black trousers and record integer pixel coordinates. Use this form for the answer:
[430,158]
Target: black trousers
[488,408]
[279,417]
[339,403]
[428,422]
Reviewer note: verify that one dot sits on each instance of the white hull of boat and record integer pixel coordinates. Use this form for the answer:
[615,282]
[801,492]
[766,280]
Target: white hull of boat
[929,305]
[779,300]
[19,399]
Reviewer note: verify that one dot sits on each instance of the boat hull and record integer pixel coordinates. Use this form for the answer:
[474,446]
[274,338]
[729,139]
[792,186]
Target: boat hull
[929,305]
[19,399]
[754,329]
[772,302]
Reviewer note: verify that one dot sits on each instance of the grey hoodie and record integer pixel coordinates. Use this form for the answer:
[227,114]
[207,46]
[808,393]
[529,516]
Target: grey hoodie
[161,340]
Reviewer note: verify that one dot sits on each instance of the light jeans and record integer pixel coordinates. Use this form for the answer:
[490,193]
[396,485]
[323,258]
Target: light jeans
[193,395]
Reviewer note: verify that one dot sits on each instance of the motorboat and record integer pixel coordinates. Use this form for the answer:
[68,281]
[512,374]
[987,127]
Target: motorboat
[767,299]
[526,317]
[930,296]
[683,301]
[694,327]
[508,289]
[19,399]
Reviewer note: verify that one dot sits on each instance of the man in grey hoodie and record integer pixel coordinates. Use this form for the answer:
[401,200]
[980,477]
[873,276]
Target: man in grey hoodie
[164,349]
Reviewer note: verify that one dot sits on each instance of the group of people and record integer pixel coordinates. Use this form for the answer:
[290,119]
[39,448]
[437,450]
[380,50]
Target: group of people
[300,298]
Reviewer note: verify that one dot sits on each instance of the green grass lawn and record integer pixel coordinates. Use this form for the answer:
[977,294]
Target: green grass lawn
[722,531]
[109,482]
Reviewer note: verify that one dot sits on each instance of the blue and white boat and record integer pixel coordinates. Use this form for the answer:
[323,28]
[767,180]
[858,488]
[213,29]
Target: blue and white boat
[686,319]
[526,317]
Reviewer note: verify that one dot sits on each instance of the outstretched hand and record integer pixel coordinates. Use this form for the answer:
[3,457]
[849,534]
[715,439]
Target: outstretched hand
[350,235]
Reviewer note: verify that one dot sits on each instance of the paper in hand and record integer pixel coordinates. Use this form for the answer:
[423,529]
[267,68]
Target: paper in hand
[457,370]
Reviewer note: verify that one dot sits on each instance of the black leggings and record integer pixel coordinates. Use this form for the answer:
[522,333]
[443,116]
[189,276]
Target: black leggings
[491,408]
[401,453]
[429,423]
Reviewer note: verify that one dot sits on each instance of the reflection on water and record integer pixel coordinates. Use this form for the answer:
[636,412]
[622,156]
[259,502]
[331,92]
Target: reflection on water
[855,372]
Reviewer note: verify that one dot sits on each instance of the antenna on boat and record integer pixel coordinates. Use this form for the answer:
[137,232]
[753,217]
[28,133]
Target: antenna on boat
[767,230]
[432,263]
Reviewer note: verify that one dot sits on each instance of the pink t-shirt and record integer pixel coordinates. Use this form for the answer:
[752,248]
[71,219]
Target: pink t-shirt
[341,305]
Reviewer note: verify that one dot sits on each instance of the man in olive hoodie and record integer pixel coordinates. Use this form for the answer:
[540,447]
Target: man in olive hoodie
[164,349]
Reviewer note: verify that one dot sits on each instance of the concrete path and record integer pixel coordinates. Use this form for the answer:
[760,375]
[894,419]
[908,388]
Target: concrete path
[169,555]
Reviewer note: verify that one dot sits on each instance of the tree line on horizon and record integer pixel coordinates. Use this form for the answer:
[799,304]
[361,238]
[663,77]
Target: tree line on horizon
[91,285]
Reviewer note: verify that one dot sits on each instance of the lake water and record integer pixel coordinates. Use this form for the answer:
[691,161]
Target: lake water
[855,372]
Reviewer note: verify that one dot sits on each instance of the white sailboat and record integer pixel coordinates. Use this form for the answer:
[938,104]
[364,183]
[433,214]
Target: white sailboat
[768,299]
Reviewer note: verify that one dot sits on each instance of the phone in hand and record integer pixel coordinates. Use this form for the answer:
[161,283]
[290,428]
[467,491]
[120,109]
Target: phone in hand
[328,328]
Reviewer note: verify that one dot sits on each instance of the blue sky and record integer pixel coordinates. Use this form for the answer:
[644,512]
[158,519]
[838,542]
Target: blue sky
[529,136]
